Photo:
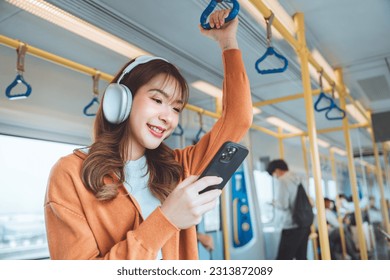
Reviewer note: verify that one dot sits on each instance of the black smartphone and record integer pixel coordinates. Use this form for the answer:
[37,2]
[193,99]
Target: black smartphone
[225,162]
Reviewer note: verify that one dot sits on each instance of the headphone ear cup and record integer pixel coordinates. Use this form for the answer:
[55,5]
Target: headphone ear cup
[117,103]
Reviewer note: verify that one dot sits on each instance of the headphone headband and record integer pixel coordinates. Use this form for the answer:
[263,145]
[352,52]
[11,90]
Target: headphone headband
[139,60]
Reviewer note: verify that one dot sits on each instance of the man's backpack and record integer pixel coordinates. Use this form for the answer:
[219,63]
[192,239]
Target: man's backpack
[302,212]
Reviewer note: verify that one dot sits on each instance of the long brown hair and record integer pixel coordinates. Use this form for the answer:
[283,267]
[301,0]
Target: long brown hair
[107,155]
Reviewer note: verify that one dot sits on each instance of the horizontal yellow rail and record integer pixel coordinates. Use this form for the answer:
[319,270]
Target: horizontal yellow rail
[288,98]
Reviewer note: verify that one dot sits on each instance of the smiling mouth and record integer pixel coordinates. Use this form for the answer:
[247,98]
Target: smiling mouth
[158,131]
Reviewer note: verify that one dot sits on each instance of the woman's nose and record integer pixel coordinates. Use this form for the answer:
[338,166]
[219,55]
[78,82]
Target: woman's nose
[166,114]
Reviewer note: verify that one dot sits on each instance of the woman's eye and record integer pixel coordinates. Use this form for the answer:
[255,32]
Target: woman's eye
[157,100]
[178,110]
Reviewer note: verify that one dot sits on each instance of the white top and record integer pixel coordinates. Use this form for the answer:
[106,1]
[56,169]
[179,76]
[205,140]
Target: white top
[286,193]
[136,183]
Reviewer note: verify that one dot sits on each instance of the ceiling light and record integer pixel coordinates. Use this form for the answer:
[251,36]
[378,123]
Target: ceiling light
[323,143]
[284,125]
[339,151]
[214,92]
[256,111]
[78,26]
[355,113]
[207,88]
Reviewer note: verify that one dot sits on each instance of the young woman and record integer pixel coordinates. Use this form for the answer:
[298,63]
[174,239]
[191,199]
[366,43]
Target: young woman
[128,195]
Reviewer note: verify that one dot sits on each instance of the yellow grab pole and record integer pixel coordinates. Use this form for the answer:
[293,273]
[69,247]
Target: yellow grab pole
[224,204]
[313,235]
[386,161]
[326,130]
[379,176]
[288,98]
[281,147]
[265,130]
[338,204]
[312,132]
[305,162]
[352,171]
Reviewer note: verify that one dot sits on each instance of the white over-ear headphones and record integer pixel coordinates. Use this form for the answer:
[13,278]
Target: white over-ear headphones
[118,98]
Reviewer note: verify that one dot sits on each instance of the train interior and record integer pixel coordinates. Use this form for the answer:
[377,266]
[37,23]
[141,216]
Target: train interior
[316,108]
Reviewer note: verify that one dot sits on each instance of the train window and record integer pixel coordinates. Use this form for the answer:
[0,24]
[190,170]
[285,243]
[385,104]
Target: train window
[312,189]
[331,190]
[265,195]
[25,165]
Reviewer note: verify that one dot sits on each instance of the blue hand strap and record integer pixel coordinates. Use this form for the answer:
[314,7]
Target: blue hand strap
[198,135]
[210,8]
[339,113]
[270,51]
[325,103]
[180,133]
[19,79]
[94,100]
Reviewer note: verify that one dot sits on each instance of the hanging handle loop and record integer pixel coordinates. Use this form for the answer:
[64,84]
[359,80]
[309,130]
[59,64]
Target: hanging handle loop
[181,131]
[336,113]
[201,130]
[210,8]
[328,104]
[271,51]
[95,99]
[21,52]
[323,102]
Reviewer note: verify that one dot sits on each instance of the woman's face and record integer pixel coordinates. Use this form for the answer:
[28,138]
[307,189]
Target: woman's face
[154,114]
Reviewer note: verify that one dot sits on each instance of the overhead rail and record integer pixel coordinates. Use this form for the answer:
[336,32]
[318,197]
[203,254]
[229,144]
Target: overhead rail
[297,46]
[326,130]
[288,98]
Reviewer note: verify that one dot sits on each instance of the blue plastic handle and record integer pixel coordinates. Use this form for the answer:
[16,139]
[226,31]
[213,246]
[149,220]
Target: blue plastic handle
[180,133]
[321,98]
[19,79]
[270,51]
[335,107]
[197,137]
[210,8]
[90,104]
[332,107]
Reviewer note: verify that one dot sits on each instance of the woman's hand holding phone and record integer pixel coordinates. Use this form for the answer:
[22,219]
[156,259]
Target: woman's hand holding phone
[184,207]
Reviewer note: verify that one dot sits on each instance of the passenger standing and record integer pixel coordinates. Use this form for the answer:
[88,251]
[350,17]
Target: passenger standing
[293,242]
[128,195]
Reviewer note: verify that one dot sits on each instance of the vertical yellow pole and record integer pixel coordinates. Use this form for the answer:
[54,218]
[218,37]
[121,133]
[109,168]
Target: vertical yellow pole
[340,219]
[312,132]
[224,216]
[281,147]
[386,161]
[352,171]
[379,176]
[313,235]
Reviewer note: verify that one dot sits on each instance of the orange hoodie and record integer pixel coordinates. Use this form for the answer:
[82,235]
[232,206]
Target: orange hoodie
[81,227]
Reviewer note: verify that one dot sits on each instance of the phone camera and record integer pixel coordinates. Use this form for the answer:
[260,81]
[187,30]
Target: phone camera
[231,150]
